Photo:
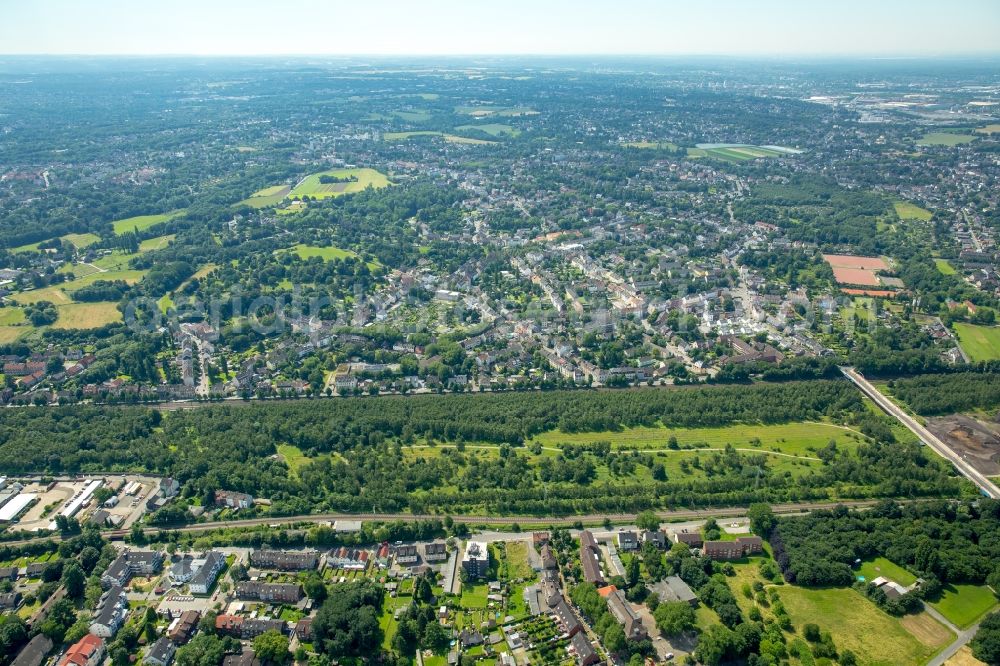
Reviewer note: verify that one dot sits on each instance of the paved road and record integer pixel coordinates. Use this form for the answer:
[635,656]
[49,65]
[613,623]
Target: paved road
[947,653]
[988,488]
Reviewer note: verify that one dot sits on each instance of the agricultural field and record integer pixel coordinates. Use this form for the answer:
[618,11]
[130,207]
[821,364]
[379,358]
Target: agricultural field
[964,604]
[908,211]
[269,196]
[732,152]
[981,343]
[989,129]
[143,222]
[403,136]
[11,316]
[451,138]
[493,129]
[9,334]
[944,267]
[944,139]
[312,187]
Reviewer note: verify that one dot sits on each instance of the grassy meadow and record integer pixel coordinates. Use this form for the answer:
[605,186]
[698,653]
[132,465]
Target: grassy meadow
[310,185]
[981,343]
[944,139]
[143,222]
[908,211]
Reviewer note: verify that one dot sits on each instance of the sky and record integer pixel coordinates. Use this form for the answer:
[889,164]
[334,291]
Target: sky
[467,27]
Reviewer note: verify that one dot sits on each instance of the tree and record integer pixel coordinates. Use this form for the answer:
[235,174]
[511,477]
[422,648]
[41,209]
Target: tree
[811,632]
[674,617]
[614,638]
[271,646]
[762,519]
[73,579]
[60,619]
[314,587]
[986,644]
[347,623]
[202,650]
[648,520]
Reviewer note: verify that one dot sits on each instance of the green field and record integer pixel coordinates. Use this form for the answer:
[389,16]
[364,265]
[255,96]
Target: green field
[81,241]
[795,439]
[451,138]
[964,604]
[989,129]
[11,316]
[944,267]
[143,222]
[506,111]
[269,196]
[157,243]
[293,457]
[310,185]
[981,343]
[657,145]
[876,638]
[944,139]
[9,334]
[880,566]
[908,211]
[414,116]
[325,253]
[402,136]
[87,315]
[493,129]
[30,247]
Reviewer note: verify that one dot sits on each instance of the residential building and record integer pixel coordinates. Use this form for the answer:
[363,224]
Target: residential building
[88,651]
[672,588]
[183,627]
[690,539]
[585,654]
[198,572]
[10,600]
[284,560]
[233,500]
[548,558]
[286,593]
[476,560]
[110,614]
[590,558]
[407,555]
[130,563]
[160,653]
[628,618]
[246,658]
[733,550]
[655,537]
[352,559]
[35,652]
[303,630]
[565,616]
[628,541]
[436,551]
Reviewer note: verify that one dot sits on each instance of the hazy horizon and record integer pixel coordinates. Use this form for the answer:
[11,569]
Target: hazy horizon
[441,28]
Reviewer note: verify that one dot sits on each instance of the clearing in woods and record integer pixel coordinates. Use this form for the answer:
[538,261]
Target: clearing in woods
[944,267]
[908,211]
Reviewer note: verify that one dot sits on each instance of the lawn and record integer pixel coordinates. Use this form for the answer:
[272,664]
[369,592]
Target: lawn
[518,566]
[143,222]
[944,139]
[310,185]
[908,211]
[964,604]
[981,343]
[944,267]
[474,596]
[493,129]
[856,624]
[880,566]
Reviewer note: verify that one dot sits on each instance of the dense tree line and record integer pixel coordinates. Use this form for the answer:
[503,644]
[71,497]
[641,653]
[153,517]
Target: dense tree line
[942,542]
[931,395]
